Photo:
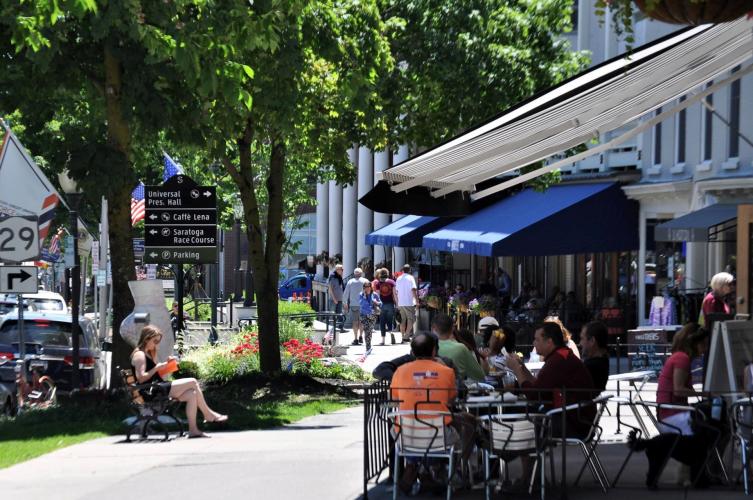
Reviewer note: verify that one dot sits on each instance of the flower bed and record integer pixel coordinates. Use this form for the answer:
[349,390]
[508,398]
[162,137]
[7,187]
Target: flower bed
[300,355]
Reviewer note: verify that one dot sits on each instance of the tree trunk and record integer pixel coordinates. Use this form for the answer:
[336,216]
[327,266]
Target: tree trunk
[119,210]
[121,249]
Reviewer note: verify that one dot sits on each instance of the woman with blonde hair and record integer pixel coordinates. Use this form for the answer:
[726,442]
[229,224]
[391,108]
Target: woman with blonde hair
[146,367]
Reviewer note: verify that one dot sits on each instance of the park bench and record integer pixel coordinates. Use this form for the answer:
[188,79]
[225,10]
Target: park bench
[153,416]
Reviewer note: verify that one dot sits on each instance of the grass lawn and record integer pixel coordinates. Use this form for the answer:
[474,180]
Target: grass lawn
[251,402]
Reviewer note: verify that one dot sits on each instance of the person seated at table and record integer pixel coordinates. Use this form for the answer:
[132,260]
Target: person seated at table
[499,341]
[427,384]
[674,387]
[146,367]
[566,334]
[465,337]
[561,370]
[593,342]
[386,369]
[462,358]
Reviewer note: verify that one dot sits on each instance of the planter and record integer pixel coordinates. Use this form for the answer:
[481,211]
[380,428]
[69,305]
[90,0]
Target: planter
[695,12]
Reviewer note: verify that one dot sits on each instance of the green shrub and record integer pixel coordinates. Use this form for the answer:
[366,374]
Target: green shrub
[318,368]
[292,329]
[187,369]
[285,308]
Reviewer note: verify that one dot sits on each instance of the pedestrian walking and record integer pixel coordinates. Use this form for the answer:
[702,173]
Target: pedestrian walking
[370,305]
[336,291]
[351,303]
[407,302]
[388,296]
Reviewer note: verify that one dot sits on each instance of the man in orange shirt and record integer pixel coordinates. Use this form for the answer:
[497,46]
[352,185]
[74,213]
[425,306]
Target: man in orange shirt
[427,384]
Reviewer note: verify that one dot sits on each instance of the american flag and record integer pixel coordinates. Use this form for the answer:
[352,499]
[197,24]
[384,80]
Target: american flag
[137,204]
[55,243]
[171,168]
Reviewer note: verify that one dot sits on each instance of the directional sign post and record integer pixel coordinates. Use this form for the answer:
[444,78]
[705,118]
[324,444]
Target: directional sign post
[18,279]
[19,239]
[180,222]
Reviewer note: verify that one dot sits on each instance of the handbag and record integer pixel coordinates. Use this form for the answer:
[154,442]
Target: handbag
[377,309]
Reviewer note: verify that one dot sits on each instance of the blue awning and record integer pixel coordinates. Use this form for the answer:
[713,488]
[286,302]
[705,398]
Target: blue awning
[406,231]
[563,220]
[695,226]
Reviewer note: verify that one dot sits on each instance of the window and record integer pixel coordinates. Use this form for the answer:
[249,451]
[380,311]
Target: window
[681,133]
[657,140]
[708,132]
[734,117]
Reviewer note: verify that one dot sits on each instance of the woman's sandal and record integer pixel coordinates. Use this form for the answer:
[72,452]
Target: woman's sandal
[217,420]
[196,436]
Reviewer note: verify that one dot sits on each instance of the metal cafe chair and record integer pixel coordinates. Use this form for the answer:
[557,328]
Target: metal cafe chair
[510,436]
[741,420]
[700,421]
[587,444]
[423,434]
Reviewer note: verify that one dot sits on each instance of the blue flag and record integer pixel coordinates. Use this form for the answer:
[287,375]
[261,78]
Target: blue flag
[171,168]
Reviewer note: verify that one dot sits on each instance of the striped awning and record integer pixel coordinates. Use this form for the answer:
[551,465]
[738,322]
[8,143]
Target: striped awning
[585,107]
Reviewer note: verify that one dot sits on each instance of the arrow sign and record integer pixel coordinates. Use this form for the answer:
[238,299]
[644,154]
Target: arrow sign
[153,216]
[18,279]
[207,193]
[153,231]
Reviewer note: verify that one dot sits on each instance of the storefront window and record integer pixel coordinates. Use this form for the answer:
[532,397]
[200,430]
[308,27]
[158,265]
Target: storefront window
[665,264]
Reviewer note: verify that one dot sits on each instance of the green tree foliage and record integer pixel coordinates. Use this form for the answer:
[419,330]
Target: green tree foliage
[96,83]
[314,93]
[461,63]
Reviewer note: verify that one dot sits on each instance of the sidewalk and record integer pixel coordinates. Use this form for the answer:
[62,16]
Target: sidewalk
[318,457]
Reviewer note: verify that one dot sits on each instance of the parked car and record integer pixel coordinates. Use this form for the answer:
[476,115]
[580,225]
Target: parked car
[48,335]
[300,284]
[7,400]
[11,305]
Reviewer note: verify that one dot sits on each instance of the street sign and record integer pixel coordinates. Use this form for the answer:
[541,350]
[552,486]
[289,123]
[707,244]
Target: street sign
[180,223]
[138,247]
[18,279]
[101,277]
[19,239]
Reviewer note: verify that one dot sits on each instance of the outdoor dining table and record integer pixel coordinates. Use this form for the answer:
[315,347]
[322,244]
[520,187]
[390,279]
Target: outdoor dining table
[637,380]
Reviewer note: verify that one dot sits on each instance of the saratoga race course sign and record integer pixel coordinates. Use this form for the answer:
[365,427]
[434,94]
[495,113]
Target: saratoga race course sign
[180,223]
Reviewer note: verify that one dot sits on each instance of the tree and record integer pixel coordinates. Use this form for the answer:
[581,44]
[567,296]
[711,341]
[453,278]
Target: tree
[460,63]
[314,94]
[95,83]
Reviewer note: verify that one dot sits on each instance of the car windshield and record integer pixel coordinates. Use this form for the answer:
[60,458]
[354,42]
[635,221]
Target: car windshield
[37,331]
[48,304]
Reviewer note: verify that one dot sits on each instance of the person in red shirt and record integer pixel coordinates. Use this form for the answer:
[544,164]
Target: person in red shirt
[388,295]
[675,387]
[562,370]
[721,286]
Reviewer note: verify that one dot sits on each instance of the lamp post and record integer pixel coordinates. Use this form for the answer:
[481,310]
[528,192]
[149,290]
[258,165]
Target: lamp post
[73,195]
[237,277]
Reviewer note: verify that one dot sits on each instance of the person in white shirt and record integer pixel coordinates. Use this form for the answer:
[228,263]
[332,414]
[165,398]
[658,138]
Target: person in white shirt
[407,302]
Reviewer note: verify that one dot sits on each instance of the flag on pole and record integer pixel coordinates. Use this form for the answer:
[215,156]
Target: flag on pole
[137,204]
[55,243]
[171,168]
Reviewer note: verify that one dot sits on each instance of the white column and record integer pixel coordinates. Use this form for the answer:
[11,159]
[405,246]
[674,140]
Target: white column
[381,163]
[322,222]
[365,215]
[398,257]
[350,204]
[584,17]
[695,265]
[335,219]
[642,267]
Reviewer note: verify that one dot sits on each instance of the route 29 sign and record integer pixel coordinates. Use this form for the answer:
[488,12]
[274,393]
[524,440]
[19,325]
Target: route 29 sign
[19,239]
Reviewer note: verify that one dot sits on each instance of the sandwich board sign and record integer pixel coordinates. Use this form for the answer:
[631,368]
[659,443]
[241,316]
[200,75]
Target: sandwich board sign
[730,353]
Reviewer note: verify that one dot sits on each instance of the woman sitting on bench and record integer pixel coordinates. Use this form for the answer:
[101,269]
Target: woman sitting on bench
[146,368]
